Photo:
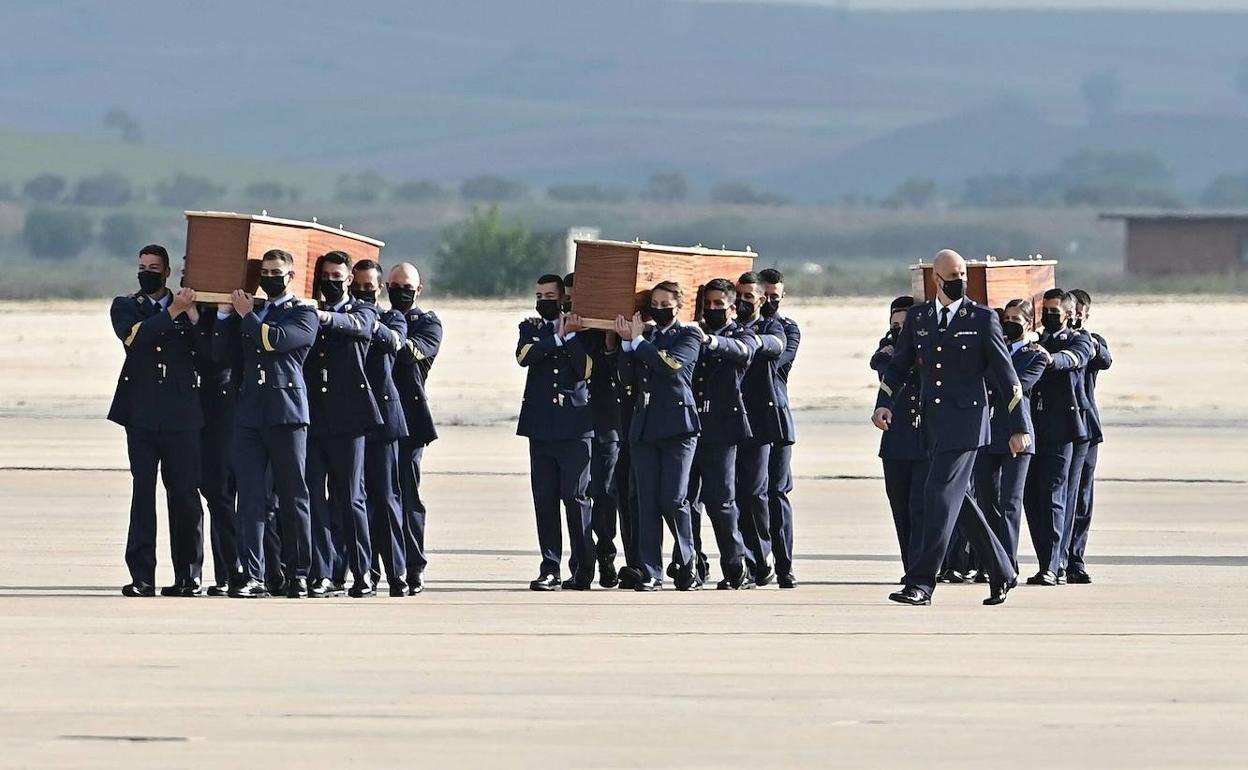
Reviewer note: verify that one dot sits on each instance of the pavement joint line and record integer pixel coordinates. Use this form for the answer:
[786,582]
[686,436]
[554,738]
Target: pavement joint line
[809,477]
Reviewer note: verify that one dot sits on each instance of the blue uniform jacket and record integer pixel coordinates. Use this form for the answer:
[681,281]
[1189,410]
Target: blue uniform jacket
[953,366]
[904,439]
[158,388]
[1029,365]
[556,394]
[784,367]
[1101,360]
[1058,401]
[717,385]
[271,389]
[765,392]
[339,399]
[660,368]
[389,336]
[605,399]
[219,377]
[411,373]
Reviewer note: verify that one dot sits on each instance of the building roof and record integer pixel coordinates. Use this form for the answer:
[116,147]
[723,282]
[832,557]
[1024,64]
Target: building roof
[1176,216]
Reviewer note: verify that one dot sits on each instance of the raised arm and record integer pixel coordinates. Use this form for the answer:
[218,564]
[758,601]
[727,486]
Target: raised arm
[356,322]
[134,330]
[297,330]
[1001,374]
[792,339]
[898,367]
[528,350]
[424,339]
[1101,357]
[738,350]
[667,363]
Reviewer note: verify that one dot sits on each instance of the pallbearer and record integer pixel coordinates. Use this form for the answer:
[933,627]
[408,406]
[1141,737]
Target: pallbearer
[780,459]
[663,435]
[381,446]
[411,374]
[956,345]
[770,423]
[217,393]
[903,450]
[271,424]
[1077,571]
[157,401]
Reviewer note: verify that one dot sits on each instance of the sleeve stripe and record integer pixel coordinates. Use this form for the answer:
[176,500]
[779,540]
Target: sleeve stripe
[887,390]
[264,338]
[589,366]
[1073,356]
[134,332]
[1016,398]
[667,359]
[523,354]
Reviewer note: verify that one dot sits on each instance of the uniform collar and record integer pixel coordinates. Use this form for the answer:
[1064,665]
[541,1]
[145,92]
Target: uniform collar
[282,300]
[1017,346]
[341,303]
[953,306]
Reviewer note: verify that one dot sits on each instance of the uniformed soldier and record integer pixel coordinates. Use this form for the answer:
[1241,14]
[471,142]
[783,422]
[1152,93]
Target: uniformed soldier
[217,392]
[271,425]
[903,450]
[956,344]
[604,406]
[770,423]
[343,411]
[780,457]
[381,447]
[659,363]
[412,365]
[1000,475]
[1061,433]
[157,401]
[1077,571]
[725,355]
[555,417]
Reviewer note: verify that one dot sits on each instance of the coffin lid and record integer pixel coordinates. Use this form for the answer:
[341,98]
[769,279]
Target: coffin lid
[695,250]
[289,222]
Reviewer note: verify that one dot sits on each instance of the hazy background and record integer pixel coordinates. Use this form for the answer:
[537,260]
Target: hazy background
[839,139]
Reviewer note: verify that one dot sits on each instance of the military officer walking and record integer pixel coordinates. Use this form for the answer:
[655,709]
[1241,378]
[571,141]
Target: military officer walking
[1077,571]
[271,425]
[217,392]
[956,345]
[780,456]
[157,401]
[412,365]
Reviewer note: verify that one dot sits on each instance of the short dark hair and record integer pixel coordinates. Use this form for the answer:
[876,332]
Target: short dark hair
[1055,294]
[904,302]
[1082,297]
[750,277]
[569,280]
[552,278]
[156,250]
[334,258]
[721,284]
[367,264]
[281,256]
[771,275]
[671,287]
[1025,308]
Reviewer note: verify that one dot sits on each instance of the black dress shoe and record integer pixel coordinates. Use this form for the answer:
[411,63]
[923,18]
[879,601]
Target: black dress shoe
[764,575]
[687,576]
[1042,578]
[546,583]
[786,580]
[185,589]
[275,587]
[629,577]
[138,589]
[218,589]
[673,570]
[251,589]
[398,587]
[416,584]
[607,576]
[1061,577]
[649,584]
[997,594]
[911,595]
[297,588]
[1078,577]
[952,576]
[361,589]
[704,568]
[982,577]
[320,589]
[577,584]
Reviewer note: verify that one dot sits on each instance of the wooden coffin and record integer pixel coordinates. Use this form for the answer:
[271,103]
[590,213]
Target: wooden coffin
[994,282]
[615,277]
[223,250]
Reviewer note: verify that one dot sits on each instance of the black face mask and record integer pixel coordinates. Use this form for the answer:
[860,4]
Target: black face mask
[364,295]
[1076,323]
[332,291]
[1014,331]
[548,309]
[715,318]
[151,282]
[401,299]
[274,285]
[745,311]
[566,307]
[1051,321]
[954,288]
[663,315]
[769,308]
[894,332]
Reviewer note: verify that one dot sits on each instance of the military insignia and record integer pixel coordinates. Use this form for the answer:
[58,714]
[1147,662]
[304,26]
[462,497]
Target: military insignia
[922,332]
[931,311]
[962,313]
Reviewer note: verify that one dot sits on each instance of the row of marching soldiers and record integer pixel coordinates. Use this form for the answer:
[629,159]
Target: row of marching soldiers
[303,426]
[654,422]
[1049,482]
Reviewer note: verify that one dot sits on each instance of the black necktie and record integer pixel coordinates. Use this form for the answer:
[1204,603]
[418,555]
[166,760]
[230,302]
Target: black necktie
[944,318]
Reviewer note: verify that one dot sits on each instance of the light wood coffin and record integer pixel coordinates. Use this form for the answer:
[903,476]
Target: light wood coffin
[223,250]
[994,282]
[615,277]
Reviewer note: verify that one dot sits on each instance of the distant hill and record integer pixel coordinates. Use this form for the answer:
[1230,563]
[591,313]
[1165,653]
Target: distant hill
[807,101]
